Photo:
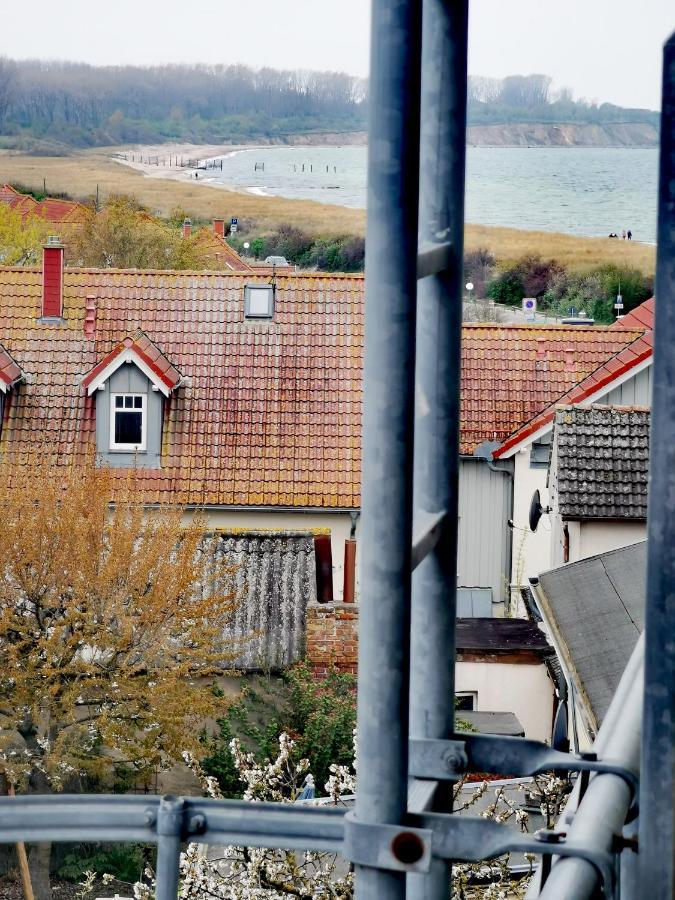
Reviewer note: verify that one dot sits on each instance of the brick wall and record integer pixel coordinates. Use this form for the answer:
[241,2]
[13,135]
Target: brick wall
[332,637]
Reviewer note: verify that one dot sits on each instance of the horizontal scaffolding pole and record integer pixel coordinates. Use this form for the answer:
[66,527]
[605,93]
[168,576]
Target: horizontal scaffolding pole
[102,817]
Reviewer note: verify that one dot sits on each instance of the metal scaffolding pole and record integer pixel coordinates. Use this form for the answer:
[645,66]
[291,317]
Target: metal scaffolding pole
[439,321]
[391,280]
[657,785]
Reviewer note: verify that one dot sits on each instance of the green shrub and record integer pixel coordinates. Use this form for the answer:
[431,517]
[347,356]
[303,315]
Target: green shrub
[318,714]
[506,287]
[124,862]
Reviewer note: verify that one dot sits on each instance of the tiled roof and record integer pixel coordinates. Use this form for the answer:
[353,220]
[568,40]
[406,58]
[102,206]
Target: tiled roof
[10,373]
[510,373]
[641,317]
[601,456]
[51,209]
[636,351]
[270,411]
[215,250]
[147,353]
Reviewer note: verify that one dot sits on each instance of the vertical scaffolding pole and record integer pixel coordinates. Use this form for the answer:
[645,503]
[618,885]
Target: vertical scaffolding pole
[657,781]
[391,281]
[439,320]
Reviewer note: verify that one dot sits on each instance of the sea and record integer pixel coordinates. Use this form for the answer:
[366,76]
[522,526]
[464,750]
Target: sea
[584,191]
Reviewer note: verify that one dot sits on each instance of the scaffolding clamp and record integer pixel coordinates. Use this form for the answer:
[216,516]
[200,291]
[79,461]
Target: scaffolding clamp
[394,847]
[450,760]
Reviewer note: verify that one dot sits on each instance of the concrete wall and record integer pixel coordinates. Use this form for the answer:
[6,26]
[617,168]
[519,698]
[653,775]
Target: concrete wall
[338,524]
[484,549]
[129,379]
[523,689]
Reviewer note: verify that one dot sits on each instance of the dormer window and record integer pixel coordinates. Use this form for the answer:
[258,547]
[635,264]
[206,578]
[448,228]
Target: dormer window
[130,384]
[128,422]
[259,301]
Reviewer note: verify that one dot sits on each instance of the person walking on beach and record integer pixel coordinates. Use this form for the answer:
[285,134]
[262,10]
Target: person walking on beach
[623,234]
[629,235]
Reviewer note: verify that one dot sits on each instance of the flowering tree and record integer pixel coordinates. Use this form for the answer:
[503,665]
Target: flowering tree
[111,628]
[241,873]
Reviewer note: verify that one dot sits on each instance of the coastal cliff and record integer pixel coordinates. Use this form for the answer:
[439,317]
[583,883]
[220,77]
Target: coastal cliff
[530,134]
[524,134]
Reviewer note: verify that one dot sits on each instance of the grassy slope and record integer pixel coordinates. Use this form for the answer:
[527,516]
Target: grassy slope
[80,173]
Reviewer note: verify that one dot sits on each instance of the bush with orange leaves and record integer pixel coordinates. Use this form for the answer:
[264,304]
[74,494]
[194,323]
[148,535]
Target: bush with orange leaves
[112,622]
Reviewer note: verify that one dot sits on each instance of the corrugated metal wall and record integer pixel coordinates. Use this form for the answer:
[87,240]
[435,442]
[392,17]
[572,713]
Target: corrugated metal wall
[274,579]
[485,506]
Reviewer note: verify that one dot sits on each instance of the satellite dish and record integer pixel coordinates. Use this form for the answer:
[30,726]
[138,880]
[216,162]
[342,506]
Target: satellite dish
[536,511]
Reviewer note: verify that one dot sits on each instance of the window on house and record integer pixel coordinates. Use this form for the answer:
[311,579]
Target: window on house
[466,701]
[259,301]
[128,422]
[539,453]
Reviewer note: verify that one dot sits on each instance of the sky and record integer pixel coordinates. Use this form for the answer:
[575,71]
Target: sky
[605,50]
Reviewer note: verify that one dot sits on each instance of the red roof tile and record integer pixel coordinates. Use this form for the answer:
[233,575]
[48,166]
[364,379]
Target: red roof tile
[270,412]
[50,209]
[147,352]
[641,317]
[215,250]
[10,373]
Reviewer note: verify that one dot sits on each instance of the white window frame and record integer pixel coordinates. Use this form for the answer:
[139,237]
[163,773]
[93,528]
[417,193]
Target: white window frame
[473,695]
[130,448]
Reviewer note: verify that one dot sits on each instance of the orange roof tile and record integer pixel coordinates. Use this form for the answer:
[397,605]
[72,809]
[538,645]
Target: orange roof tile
[510,373]
[51,209]
[270,411]
[215,250]
[635,352]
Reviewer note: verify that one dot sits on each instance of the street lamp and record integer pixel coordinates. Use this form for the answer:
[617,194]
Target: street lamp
[246,246]
[469,287]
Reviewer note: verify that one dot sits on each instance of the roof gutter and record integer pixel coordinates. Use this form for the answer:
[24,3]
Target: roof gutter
[567,675]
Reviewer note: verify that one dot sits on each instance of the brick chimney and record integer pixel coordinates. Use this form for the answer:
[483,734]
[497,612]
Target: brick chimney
[52,279]
[187,228]
[219,227]
[90,318]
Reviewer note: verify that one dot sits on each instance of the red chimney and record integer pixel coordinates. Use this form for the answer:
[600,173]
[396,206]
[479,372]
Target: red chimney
[219,227]
[52,279]
[90,318]
[187,227]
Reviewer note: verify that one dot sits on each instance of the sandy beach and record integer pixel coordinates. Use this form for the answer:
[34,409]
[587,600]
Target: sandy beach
[159,160]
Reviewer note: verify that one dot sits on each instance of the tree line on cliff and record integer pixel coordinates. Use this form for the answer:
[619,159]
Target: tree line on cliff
[49,106]
[82,105]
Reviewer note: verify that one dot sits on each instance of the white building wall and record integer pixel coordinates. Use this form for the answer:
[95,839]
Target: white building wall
[531,551]
[523,689]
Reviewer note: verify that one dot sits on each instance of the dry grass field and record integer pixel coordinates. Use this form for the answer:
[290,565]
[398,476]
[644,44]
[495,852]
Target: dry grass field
[81,173]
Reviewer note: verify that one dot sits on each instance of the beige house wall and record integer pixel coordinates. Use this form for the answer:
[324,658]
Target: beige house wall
[591,538]
[523,689]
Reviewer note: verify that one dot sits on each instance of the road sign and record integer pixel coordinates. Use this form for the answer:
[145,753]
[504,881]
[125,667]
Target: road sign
[530,308]
[234,221]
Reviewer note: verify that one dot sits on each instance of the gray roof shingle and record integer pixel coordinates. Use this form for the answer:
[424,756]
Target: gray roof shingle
[595,608]
[601,455]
